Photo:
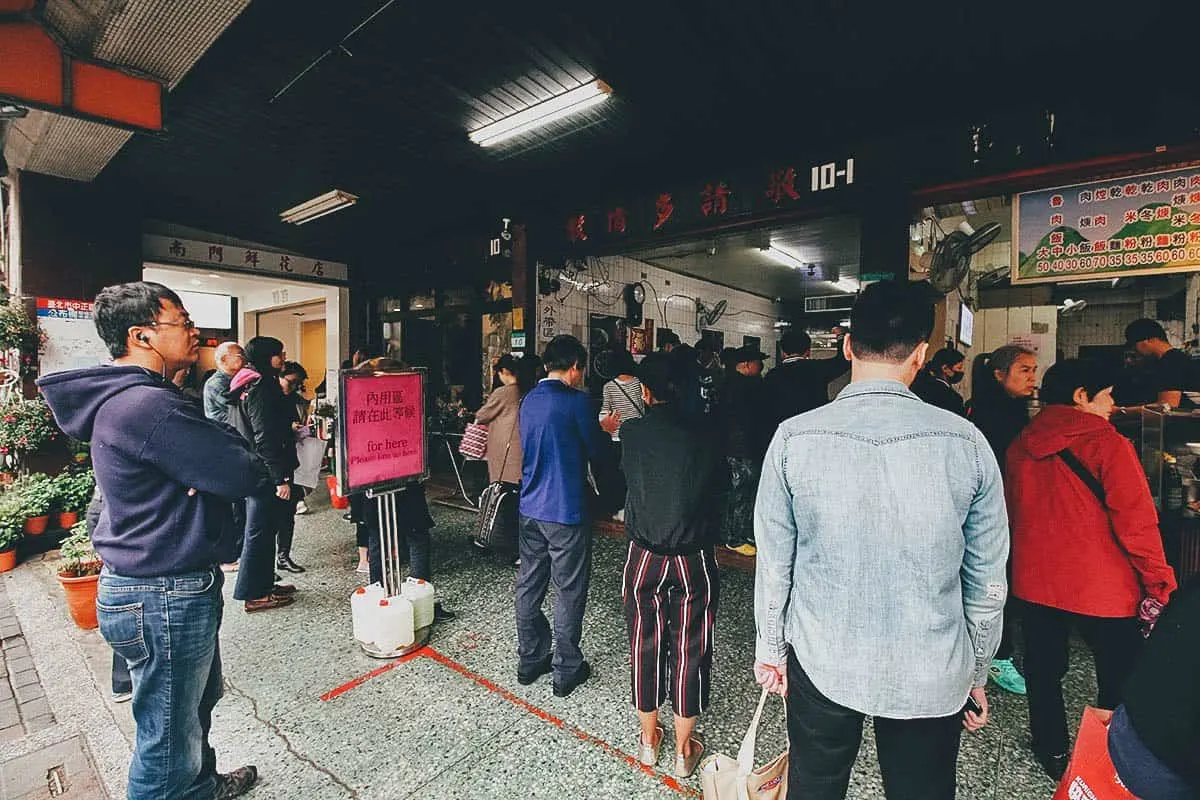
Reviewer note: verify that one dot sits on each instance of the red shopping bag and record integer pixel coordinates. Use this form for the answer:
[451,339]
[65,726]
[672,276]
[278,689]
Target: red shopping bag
[1091,774]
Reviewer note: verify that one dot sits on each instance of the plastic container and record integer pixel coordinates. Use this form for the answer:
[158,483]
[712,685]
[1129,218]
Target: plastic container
[394,624]
[420,594]
[364,606]
[335,499]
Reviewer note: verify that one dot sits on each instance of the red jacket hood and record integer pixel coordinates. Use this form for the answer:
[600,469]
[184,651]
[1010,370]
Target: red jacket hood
[1057,427]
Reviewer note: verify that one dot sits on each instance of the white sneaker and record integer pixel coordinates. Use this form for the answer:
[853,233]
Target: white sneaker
[301,508]
[619,516]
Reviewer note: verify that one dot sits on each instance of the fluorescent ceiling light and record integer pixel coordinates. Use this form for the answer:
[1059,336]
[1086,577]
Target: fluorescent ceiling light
[331,201]
[784,257]
[847,284]
[543,113]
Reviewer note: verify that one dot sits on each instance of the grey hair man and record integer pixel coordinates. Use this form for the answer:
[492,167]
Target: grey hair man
[230,359]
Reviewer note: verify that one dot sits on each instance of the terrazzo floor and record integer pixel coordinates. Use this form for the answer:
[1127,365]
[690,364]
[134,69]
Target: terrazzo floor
[453,723]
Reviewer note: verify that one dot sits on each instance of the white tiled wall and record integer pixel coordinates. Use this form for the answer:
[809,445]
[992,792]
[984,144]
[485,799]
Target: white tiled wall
[746,314]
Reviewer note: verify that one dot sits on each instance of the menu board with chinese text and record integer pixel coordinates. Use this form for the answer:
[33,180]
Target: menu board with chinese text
[381,430]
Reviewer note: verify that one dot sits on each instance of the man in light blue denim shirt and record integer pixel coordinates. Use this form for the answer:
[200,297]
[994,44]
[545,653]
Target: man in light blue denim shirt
[880,585]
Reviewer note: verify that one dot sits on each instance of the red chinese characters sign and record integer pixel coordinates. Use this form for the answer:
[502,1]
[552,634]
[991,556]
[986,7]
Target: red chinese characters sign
[382,423]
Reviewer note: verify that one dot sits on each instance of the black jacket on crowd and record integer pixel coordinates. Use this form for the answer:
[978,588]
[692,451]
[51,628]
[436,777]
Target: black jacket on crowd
[673,511]
[262,413]
[748,416]
[937,392]
[800,385]
[999,417]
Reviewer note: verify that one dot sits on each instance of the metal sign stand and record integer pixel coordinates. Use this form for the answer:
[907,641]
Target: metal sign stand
[393,573]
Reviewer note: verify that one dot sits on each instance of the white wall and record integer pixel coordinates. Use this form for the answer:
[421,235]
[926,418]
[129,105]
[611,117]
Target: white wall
[1035,327]
[746,314]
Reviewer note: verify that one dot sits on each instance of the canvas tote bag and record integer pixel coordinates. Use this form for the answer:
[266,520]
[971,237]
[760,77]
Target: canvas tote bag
[724,778]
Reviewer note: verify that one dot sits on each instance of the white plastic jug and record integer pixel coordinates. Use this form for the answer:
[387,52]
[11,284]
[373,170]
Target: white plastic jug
[364,605]
[394,624]
[420,594]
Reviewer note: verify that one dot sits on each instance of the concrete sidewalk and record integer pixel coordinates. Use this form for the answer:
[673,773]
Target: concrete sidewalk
[322,720]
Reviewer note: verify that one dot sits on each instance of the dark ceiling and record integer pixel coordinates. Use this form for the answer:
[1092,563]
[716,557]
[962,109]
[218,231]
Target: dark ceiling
[697,83]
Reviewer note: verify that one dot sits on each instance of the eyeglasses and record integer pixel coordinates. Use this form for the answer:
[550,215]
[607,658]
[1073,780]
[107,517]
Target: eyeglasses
[187,324]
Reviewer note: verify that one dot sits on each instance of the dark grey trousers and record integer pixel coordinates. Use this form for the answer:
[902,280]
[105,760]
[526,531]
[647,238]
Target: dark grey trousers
[562,554]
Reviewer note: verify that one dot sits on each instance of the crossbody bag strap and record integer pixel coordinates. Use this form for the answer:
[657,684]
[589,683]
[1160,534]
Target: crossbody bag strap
[516,427]
[1085,475]
[634,403]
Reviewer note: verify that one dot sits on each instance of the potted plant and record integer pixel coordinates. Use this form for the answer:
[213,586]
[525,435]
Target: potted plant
[80,576]
[36,494]
[72,494]
[12,520]
[19,331]
[26,426]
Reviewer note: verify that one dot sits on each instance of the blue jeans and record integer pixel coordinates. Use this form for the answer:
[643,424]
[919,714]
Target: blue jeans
[563,554]
[166,630]
[256,567]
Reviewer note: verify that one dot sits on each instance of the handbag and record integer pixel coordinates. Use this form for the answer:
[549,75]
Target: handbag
[1091,773]
[474,442]
[495,528]
[725,778]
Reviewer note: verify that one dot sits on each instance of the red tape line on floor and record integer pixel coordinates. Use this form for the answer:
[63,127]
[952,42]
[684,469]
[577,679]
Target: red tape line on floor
[524,705]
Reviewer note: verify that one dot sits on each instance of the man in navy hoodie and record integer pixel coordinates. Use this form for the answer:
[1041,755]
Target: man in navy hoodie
[169,477]
[559,436]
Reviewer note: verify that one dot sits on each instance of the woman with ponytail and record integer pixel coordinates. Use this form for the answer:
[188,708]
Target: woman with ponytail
[1001,384]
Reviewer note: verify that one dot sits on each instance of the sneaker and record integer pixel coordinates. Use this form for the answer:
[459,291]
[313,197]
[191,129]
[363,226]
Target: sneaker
[648,753]
[236,783]
[685,766]
[301,508]
[743,549]
[619,516]
[1055,766]
[565,688]
[122,697]
[1004,674]
[229,567]
[284,562]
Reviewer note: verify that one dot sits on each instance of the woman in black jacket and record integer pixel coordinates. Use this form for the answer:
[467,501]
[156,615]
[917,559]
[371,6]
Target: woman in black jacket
[260,412]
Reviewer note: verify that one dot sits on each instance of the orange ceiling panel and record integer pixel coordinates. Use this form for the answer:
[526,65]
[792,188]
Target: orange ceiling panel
[30,64]
[110,94]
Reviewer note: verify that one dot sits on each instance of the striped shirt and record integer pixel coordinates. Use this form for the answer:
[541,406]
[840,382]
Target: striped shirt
[625,400]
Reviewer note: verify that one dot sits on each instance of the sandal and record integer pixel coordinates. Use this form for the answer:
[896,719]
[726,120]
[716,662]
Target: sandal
[685,766]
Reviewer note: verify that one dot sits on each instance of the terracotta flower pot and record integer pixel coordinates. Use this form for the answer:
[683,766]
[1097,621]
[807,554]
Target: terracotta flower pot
[67,519]
[8,559]
[36,526]
[81,599]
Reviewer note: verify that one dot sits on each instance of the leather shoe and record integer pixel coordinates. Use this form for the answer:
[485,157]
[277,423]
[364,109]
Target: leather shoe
[283,589]
[543,667]
[441,614]
[581,675]
[269,602]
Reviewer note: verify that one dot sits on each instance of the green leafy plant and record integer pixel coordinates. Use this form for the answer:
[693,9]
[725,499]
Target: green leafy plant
[73,490]
[79,558]
[12,520]
[26,426]
[36,493]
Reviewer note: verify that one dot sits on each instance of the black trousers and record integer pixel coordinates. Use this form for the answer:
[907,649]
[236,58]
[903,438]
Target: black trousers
[918,757]
[1115,645]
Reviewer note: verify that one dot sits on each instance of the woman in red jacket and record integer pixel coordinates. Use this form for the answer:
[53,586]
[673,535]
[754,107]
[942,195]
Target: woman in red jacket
[1087,552]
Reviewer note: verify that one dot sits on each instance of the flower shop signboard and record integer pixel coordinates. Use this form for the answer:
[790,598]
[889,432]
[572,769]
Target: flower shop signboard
[70,340]
[381,430]
[1138,225]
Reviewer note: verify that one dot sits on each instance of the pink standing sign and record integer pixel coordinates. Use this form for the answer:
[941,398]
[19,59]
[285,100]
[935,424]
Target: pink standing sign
[383,422]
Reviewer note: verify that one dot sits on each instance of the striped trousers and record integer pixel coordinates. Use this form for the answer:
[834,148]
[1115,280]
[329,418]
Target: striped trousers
[670,609]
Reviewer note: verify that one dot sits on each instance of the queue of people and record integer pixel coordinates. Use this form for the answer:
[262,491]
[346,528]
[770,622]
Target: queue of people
[862,607]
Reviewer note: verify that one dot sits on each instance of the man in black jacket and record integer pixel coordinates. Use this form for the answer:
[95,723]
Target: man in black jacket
[800,383]
[749,425]
[935,383]
[670,583]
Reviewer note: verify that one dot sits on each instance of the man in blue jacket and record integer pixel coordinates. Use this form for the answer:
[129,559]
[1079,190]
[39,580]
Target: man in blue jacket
[559,437]
[169,477]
